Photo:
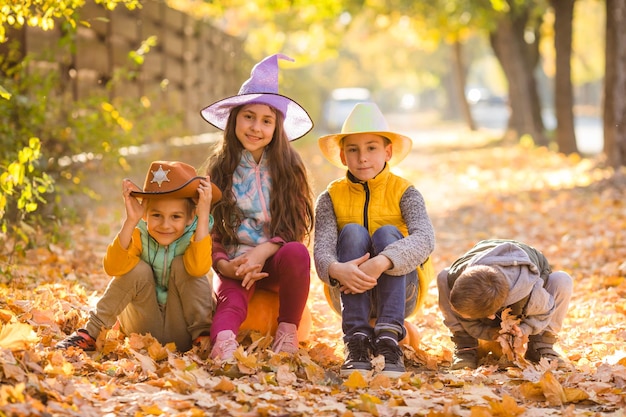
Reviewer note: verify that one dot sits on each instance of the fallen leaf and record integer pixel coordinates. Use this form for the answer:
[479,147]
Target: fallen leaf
[17,336]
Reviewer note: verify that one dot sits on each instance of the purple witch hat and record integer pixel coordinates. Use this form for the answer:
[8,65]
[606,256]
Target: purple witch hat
[262,88]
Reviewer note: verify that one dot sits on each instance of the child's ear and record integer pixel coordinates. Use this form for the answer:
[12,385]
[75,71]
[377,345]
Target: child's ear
[192,215]
[342,155]
[388,152]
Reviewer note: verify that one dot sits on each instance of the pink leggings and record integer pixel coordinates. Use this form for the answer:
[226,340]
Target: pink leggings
[289,275]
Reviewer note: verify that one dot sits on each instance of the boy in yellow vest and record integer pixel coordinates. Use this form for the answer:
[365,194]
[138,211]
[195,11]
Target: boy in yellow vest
[371,233]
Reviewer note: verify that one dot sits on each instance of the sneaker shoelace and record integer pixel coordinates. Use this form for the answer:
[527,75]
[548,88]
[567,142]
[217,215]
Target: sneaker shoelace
[358,349]
[285,338]
[389,349]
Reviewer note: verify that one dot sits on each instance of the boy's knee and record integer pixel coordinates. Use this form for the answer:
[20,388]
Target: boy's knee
[388,230]
[442,279]
[561,281]
[354,229]
[142,272]
[354,235]
[384,236]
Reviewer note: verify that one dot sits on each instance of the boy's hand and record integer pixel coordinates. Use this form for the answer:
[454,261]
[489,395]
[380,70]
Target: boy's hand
[205,195]
[353,280]
[134,209]
[376,266]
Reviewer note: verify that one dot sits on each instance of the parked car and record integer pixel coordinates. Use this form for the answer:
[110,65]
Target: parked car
[340,103]
[482,95]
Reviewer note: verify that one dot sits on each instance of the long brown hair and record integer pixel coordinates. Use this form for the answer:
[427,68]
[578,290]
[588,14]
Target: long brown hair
[291,196]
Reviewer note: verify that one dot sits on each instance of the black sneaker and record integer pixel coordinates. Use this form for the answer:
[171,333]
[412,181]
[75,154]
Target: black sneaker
[394,362]
[359,355]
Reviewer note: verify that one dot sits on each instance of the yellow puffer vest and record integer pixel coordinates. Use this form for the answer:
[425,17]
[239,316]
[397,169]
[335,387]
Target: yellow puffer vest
[373,207]
[372,204]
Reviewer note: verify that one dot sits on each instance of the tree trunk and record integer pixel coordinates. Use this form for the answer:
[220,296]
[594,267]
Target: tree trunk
[518,62]
[564,97]
[615,84]
[460,83]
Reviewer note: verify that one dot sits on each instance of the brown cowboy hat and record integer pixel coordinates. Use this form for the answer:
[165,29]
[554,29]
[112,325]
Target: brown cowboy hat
[167,179]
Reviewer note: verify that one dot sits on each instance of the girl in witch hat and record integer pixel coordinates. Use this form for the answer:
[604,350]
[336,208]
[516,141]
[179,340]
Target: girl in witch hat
[266,211]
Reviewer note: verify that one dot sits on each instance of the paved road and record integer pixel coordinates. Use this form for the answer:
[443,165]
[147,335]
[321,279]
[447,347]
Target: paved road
[589,131]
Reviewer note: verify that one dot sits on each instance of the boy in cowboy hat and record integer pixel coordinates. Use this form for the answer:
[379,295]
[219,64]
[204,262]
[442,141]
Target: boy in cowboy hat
[159,259]
[371,233]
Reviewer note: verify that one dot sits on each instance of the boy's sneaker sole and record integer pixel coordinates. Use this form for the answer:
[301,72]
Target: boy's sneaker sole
[394,371]
[364,368]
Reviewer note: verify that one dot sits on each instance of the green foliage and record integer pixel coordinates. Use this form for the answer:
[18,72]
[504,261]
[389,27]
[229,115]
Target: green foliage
[23,186]
[50,142]
[44,14]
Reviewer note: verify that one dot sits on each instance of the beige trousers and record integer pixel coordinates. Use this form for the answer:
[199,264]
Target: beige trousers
[131,300]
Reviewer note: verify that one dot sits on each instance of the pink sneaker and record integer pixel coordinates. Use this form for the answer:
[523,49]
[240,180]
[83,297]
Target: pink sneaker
[225,345]
[286,339]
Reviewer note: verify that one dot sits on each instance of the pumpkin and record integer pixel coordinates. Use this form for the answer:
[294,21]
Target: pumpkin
[263,315]
[412,337]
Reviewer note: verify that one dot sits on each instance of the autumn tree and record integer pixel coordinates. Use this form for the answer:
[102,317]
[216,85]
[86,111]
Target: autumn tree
[515,40]
[615,83]
[564,97]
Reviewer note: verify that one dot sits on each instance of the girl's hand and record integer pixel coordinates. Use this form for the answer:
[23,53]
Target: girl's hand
[251,273]
[228,268]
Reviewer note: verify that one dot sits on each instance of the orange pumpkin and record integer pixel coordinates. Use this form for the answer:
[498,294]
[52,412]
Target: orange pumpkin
[412,337]
[263,315]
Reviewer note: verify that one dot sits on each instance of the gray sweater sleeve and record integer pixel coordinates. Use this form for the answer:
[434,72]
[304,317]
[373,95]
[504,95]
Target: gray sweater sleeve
[405,254]
[408,253]
[326,234]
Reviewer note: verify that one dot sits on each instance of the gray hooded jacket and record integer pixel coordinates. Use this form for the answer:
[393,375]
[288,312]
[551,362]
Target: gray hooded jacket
[525,284]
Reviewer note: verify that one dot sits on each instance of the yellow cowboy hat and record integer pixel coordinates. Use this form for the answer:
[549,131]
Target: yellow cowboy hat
[365,118]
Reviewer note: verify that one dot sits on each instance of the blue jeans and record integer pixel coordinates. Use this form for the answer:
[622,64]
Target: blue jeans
[387,300]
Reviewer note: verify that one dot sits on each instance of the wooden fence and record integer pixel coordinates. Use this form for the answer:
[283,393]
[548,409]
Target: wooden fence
[192,65]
